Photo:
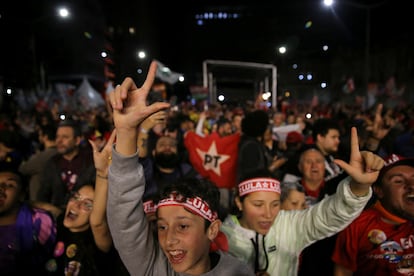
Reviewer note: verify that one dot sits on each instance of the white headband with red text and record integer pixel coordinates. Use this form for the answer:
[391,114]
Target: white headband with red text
[149,207]
[195,205]
[259,185]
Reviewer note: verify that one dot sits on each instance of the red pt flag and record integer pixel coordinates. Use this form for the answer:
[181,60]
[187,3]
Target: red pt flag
[214,157]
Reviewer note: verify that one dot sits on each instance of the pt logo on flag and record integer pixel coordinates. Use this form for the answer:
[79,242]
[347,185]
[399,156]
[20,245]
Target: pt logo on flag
[212,159]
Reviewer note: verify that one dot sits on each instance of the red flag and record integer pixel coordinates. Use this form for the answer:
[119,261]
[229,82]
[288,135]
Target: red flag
[220,243]
[214,157]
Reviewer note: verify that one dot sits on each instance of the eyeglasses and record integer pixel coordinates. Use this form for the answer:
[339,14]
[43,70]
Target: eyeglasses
[84,203]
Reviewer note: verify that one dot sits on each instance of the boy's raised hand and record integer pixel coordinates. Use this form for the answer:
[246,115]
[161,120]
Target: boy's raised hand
[129,102]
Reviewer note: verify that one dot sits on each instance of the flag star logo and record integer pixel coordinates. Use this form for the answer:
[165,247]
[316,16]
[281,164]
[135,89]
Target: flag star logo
[212,159]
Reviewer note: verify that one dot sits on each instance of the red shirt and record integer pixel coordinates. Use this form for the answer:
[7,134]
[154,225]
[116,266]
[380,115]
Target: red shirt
[311,193]
[370,246]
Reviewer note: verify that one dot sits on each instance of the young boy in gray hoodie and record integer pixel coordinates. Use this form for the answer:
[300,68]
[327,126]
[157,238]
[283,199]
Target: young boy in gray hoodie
[187,220]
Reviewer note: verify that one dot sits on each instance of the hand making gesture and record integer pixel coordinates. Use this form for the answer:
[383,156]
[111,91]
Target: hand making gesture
[129,101]
[102,159]
[363,167]
[97,219]
[130,108]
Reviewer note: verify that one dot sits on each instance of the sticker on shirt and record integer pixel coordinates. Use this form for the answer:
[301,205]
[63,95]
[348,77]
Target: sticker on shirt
[59,249]
[71,250]
[73,268]
[392,251]
[51,265]
[377,236]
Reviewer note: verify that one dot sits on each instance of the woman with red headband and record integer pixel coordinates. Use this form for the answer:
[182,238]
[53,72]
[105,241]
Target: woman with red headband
[271,239]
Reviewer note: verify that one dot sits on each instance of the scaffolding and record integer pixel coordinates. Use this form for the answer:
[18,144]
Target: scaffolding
[263,77]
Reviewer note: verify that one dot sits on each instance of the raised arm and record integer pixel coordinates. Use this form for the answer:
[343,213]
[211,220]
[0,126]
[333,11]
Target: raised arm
[129,227]
[335,212]
[97,219]
[363,167]
[200,123]
[130,109]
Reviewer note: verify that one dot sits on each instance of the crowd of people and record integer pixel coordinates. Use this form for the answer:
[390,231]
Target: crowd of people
[141,187]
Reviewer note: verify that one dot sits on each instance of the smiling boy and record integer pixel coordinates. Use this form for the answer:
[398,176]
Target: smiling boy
[187,220]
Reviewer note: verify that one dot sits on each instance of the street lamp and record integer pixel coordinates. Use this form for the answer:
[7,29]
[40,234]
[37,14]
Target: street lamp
[63,13]
[367,8]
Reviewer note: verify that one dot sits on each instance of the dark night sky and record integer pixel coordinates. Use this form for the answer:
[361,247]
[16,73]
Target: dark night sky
[168,31]
[266,24]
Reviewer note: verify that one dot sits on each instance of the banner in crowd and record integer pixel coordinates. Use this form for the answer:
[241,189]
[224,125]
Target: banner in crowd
[214,157]
[281,132]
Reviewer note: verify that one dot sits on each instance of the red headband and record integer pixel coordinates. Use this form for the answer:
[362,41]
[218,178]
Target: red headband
[258,185]
[195,205]
[149,207]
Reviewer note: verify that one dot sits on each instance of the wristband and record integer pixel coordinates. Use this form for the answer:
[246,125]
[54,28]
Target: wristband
[102,176]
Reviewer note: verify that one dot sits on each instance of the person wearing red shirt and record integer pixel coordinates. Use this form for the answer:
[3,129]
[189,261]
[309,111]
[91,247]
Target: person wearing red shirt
[381,240]
[312,166]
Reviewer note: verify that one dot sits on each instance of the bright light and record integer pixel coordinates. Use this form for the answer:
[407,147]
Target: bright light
[62,117]
[131,30]
[328,3]
[139,71]
[214,16]
[324,84]
[141,54]
[325,48]
[282,49]
[104,54]
[220,98]
[181,78]
[9,91]
[266,95]
[308,115]
[301,77]
[309,76]
[295,66]
[63,12]
[287,94]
